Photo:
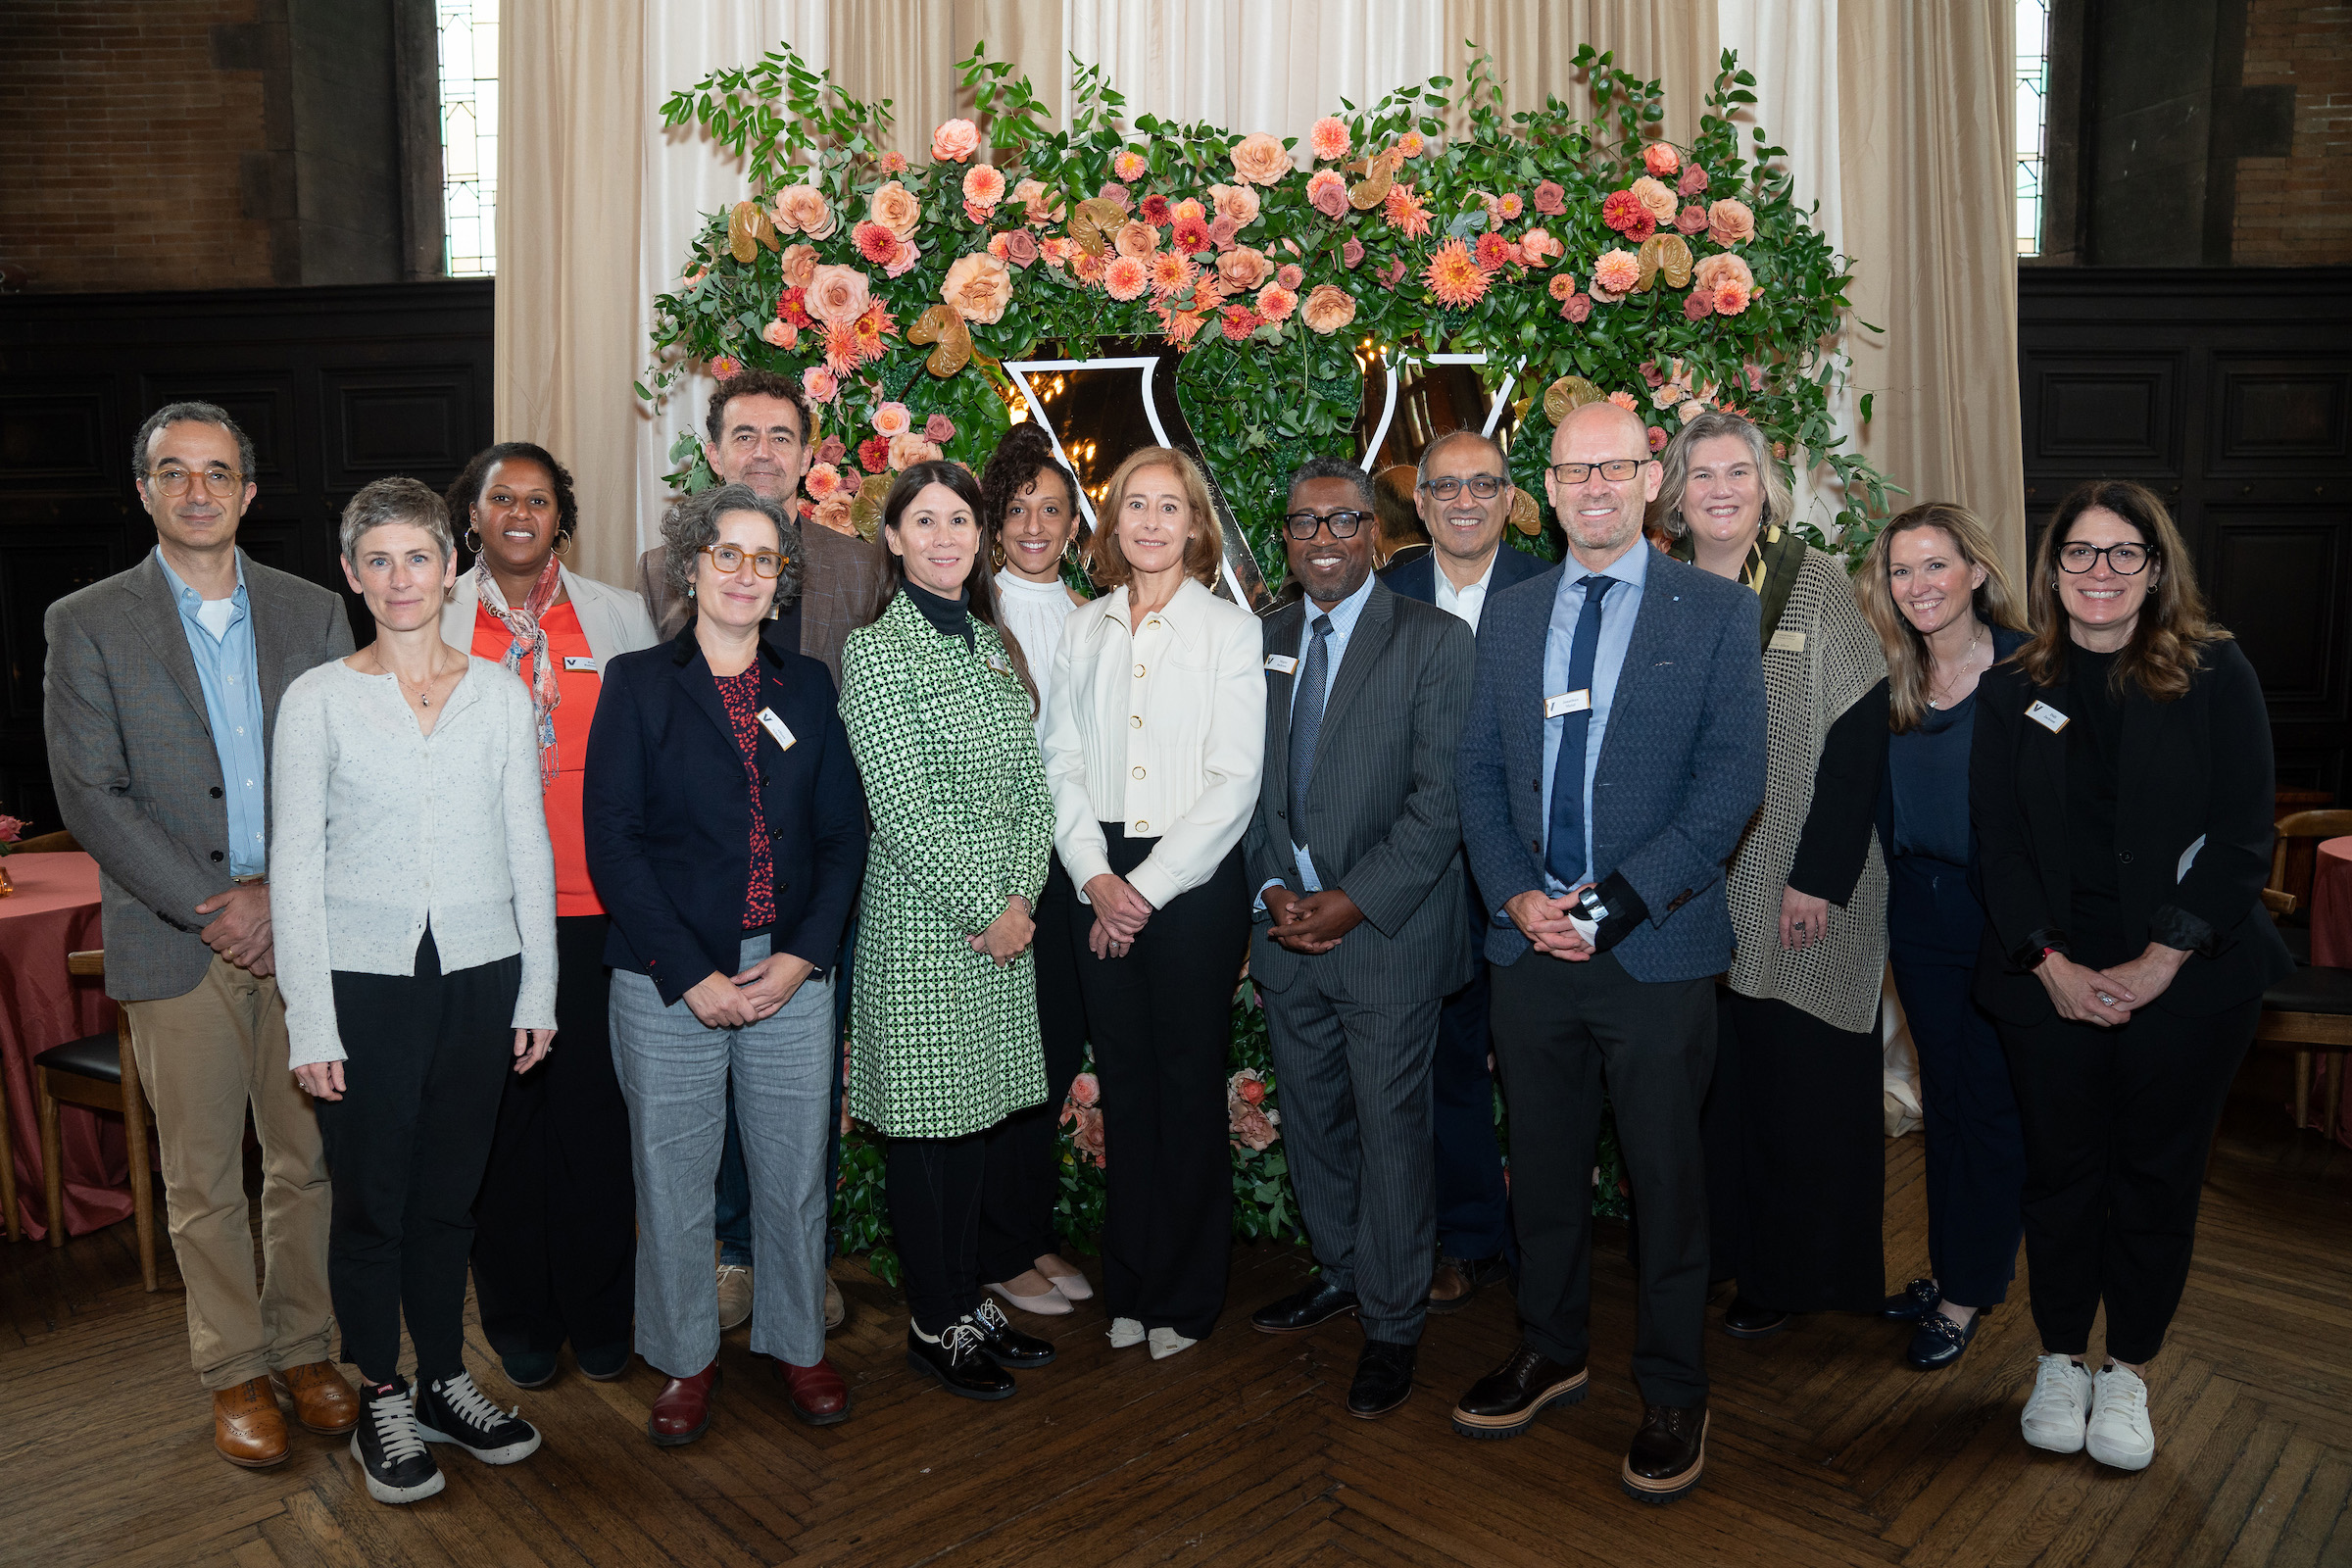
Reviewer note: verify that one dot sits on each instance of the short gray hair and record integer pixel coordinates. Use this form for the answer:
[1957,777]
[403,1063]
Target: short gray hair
[189,413]
[390,501]
[1779,504]
[1321,467]
[1502,459]
[692,526]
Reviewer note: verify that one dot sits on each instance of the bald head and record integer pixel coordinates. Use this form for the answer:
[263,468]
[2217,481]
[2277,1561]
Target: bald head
[1601,515]
[1604,422]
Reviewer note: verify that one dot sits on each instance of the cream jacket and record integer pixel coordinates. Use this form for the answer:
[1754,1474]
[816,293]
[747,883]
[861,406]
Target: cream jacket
[613,620]
[1163,729]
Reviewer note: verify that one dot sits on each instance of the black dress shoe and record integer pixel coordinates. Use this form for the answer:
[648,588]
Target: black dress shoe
[1743,1319]
[1506,1400]
[1005,1345]
[1304,1309]
[1666,1454]
[959,1359]
[1384,1379]
[1912,1302]
[1938,1341]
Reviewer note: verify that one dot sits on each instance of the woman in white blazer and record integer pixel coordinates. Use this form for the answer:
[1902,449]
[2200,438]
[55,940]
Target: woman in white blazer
[1155,735]
[556,1226]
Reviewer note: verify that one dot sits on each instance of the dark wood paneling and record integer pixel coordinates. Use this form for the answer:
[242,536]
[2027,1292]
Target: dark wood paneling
[336,387]
[2229,392]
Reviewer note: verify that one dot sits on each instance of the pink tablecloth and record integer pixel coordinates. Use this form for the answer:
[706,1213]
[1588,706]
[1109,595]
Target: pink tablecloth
[2331,904]
[53,911]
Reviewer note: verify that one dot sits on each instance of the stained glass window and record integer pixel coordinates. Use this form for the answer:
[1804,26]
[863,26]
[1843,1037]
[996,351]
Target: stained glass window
[469,30]
[2033,93]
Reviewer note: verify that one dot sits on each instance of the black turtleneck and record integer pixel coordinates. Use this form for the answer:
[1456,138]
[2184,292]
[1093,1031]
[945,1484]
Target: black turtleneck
[950,618]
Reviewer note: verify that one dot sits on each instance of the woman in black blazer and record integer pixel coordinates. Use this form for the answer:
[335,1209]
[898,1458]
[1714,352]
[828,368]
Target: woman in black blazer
[726,837]
[2121,784]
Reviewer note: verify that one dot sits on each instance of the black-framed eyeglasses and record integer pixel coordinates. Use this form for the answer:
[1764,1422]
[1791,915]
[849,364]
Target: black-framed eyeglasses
[173,481]
[1301,526]
[2124,560]
[1614,470]
[1485,486]
[729,559]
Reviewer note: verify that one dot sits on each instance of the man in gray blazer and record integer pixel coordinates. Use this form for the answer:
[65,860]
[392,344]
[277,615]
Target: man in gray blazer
[160,690]
[1356,851]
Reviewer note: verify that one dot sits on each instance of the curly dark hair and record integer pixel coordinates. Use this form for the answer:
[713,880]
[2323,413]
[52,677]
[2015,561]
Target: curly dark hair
[462,495]
[692,523]
[1024,455]
[756,383]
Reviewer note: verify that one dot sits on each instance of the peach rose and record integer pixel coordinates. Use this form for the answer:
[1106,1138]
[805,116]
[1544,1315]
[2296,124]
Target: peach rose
[895,208]
[837,295]
[1136,238]
[819,385]
[1237,202]
[1615,275]
[903,260]
[1085,1089]
[954,141]
[1655,199]
[978,288]
[1661,159]
[780,335]
[834,512]
[1328,308]
[1326,193]
[982,185]
[1221,233]
[1731,222]
[1327,137]
[800,265]
[1243,268]
[892,418]
[1539,248]
[822,480]
[1038,203]
[1713,272]
[1259,160]
[907,449]
[803,208]
[1125,279]
[1188,211]
[1276,303]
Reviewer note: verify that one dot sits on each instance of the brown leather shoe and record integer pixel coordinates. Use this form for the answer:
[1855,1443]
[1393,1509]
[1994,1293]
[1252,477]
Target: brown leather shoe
[1506,1400]
[818,1394]
[682,1409]
[323,1402]
[1668,1453]
[248,1428]
[1457,1279]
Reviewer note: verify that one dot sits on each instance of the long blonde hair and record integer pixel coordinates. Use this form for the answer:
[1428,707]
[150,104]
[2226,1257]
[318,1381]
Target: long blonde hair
[1995,602]
[1203,551]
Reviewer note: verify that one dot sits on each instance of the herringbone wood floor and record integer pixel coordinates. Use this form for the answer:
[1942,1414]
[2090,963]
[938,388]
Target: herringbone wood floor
[1825,1449]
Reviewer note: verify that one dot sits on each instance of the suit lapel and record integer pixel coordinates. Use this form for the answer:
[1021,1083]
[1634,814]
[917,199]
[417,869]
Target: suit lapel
[1654,623]
[158,621]
[1287,630]
[1365,645]
[702,689]
[271,647]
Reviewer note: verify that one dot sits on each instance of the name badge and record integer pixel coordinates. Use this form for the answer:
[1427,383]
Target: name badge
[1577,702]
[1786,642]
[1001,665]
[2048,718]
[571,663]
[1281,663]
[774,726]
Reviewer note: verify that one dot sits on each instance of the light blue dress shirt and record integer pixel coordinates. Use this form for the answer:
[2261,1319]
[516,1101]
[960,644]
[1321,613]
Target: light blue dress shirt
[1343,616]
[1617,612]
[232,705]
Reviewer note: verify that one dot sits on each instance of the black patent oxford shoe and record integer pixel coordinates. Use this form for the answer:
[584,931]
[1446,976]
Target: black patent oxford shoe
[1506,1400]
[1912,1302]
[1005,1345]
[961,1361]
[1938,1341]
[1743,1319]
[1384,1379]
[1318,1303]
[1666,1454]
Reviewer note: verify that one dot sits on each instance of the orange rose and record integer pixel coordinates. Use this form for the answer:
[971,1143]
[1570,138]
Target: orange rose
[1138,239]
[837,295]
[891,420]
[895,209]
[954,141]
[1260,160]
[1328,308]
[834,512]
[800,265]
[978,288]
[804,209]
[1243,269]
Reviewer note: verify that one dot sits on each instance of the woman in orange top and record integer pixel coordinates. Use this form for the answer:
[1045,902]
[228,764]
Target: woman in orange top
[555,1227]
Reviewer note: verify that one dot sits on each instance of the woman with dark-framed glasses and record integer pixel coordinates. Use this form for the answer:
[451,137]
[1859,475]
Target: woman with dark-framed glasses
[2121,784]
[726,835]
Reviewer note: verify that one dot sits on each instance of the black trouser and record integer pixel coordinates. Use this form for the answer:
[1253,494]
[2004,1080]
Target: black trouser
[2118,1124]
[1162,1023]
[428,1055]
[1474,1219]
[1559,1028]
[1809,1116]
[1022,1186]
[934,1192]
[555,1240]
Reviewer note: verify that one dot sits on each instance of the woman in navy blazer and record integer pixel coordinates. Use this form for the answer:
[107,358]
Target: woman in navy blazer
[726,836]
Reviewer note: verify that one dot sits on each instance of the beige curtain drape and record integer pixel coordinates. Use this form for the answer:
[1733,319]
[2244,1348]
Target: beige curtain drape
[1673,42]
[905,51]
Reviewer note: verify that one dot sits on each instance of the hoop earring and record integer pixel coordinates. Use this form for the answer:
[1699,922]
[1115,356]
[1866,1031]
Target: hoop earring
[473,540]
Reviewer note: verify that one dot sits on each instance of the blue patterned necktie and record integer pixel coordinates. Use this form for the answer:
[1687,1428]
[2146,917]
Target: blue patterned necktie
[1307,722]
[1564,848]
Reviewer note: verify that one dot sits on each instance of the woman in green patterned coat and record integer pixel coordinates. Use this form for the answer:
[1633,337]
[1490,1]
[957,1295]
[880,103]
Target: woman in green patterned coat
[1793,1128]
[943,1014]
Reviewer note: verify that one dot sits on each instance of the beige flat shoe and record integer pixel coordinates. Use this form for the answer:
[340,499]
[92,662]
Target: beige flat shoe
[1071,1284]
[1167,1341]
[1125,1331]
[837,1306]
[1050,1304]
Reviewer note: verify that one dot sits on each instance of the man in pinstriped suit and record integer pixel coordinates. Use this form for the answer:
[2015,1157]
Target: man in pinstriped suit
[1356,851]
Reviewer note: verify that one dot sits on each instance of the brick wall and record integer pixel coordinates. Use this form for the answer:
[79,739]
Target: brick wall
[2296,210]
[127,142]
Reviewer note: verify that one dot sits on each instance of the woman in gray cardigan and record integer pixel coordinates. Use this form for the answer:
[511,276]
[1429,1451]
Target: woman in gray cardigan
[412,892]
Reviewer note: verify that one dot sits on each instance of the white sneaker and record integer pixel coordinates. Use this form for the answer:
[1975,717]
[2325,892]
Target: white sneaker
[2120,1433]
[1167,1341]
[2060,1407]
[1125,1331]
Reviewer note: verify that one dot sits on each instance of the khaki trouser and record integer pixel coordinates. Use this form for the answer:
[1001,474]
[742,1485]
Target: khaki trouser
[204,1057]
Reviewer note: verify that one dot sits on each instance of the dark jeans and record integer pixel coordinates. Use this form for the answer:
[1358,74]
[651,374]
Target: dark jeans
[428,1056]
[1162,1022]
[1559,1028]
[555,1240]
[1975,1147]
[1474,1219]
[1022,1185]
[934,1192]
[2118,1123]
[733,1214]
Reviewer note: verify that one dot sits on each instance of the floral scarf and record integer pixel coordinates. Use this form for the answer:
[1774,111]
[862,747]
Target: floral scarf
[523,621]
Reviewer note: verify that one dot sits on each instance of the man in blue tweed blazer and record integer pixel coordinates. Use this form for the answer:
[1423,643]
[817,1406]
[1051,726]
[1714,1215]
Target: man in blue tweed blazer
[1613,753]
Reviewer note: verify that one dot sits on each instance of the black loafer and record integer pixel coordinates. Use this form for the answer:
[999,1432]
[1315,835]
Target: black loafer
[1506,1400]
[1384,1379]
[1938,1341]
[607,1366]
[958,1359]
[1743,1319]
[530,1370]
[1304,1309]
[1912,1302]
[1005,1345]
[1666,1454]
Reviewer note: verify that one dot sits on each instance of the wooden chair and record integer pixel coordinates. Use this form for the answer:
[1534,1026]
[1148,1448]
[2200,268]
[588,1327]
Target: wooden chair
[8,1168]
[2310,1011]
[97,1071]
[46,844]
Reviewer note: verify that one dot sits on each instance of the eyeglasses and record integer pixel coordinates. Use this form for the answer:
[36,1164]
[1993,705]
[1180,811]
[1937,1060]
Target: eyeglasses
[1485,486]
[729,559]
[174,481]
[1616,470]
[2124,560]
[1301,526]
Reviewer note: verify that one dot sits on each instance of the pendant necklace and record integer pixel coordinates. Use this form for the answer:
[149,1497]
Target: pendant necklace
[1965,655]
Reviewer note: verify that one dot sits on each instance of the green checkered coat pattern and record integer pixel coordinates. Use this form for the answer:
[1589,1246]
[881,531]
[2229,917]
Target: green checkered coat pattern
[943,1042]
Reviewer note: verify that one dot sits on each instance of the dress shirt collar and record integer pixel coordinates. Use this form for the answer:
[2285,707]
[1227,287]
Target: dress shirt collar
[1345,613]
[188,599]
[1632,567]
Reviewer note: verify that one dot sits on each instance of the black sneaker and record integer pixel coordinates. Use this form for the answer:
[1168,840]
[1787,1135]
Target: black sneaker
[452,1411]
[390,1450]
[1005,1345]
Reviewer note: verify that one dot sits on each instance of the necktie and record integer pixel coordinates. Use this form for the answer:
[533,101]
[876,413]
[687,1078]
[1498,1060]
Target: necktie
[1307,722]
[1564,849]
